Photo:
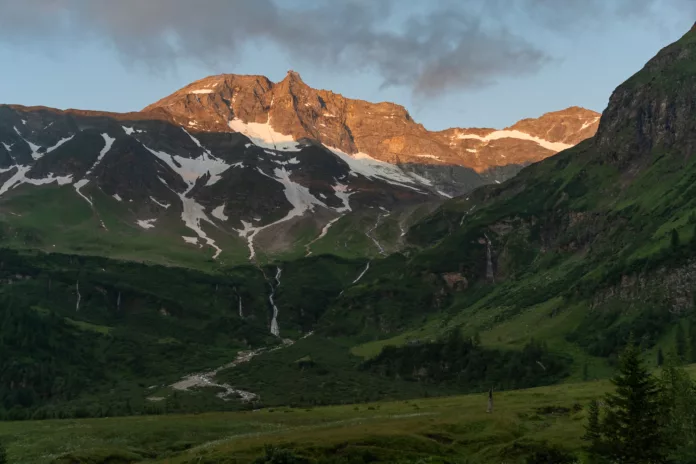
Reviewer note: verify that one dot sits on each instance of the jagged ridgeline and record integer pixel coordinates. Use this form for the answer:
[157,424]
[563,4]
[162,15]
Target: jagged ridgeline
[392,293]
[232,169]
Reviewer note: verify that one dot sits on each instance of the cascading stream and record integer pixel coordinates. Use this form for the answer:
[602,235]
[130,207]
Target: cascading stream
[207,379]
[362,273]
[370,232]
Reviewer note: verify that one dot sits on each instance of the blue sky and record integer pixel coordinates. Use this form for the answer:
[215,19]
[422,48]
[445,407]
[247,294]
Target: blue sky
[584,58]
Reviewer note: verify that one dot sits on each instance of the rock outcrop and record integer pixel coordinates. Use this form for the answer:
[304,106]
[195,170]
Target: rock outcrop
[384,131]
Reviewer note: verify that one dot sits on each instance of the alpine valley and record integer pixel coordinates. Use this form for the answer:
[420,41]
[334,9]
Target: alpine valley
[244,244]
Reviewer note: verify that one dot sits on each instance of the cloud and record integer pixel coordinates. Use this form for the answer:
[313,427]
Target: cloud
[449,45]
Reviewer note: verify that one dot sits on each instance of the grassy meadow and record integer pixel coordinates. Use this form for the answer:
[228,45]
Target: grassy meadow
[448,429]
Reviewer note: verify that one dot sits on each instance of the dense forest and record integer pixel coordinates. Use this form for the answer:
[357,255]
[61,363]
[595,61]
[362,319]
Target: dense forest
[462,361]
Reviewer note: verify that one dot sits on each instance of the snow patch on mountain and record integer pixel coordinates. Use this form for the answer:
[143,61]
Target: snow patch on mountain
[59,143]
[219,213]
[191,240]
[197,142]
[589,123]
[420,179]
[515,134]
[263,135]
[201,91]
[108,142]
[131,131]
[193,215]
[297,195]
[78,185]
[363,164]
[163,205]
[20,177]
[147,223]
[341,191]
[285,163]
[190,171]
[117,197]
[34,148]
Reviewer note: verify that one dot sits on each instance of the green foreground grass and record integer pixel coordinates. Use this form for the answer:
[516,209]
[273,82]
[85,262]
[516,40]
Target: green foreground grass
[451,429]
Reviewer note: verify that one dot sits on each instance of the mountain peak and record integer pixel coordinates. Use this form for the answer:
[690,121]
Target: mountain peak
[653,107]
[293,76]
[292,110]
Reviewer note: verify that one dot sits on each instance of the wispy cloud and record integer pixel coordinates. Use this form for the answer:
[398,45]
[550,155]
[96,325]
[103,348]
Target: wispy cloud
[449,45]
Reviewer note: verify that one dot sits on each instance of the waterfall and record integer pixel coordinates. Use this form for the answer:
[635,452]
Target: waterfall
[79,297]
[489,261]
[275,330]
[362,273]
[118,302]
[241,314]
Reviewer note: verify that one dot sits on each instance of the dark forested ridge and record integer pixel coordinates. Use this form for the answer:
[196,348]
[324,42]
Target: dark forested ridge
[455,360]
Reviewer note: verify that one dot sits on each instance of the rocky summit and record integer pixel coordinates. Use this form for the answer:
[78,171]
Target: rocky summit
[235,165]
[383,131]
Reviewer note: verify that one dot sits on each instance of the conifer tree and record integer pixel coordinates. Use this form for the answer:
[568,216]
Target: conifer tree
[632,424]
[631,431]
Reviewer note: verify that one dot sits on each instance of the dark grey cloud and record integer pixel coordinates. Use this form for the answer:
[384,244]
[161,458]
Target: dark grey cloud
[448,45]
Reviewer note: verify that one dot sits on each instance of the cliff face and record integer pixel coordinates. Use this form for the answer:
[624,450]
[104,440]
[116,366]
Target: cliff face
[384,131]
[653,109]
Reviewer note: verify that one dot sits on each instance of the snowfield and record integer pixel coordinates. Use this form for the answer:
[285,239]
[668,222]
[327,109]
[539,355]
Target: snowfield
[366,166]
[263,135]
[515,134]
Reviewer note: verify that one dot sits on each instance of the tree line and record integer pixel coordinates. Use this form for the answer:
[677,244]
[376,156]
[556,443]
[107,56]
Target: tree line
[647,419]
